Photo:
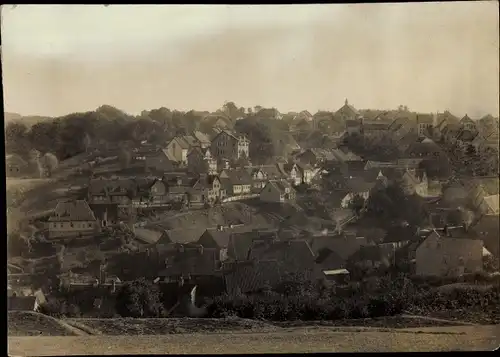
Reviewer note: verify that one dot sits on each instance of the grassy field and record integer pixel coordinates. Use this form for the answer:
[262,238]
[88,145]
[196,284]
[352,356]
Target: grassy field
[23,323]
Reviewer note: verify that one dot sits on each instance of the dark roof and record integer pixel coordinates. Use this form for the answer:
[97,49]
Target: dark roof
[21,303]
[487,229]
[327,259]
[111,186]
[240,243]
[190,260]
[281,185]
[223,236]
[72,211]
[295,255]
[251,276]
[342,245]
[238,177]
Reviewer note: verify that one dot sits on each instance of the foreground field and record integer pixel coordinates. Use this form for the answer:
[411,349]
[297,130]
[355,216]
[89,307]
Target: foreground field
[298,340]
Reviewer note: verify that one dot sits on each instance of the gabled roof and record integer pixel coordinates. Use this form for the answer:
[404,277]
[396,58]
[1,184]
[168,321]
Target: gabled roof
[72,211]
[466,119]
[201,137]
[240,243]
[238,177]
[223,236]
[190,260]
[348,107]
[281,186]
[149,236]
[376,124]
[294,255]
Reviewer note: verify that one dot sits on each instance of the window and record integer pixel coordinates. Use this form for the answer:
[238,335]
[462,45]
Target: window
[90,224]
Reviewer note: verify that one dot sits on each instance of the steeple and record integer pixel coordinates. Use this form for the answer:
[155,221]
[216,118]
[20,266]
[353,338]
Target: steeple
[346,102]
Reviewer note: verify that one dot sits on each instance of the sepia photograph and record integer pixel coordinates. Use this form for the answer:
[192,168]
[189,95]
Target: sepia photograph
[248,179]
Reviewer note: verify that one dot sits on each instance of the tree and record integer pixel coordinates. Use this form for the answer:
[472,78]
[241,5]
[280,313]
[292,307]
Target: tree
[124,158]
[47,163]
[436,168]
[356,204]
[392,205]
[16,138]
[139,298]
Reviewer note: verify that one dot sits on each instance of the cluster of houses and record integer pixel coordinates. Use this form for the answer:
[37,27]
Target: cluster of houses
[200,170]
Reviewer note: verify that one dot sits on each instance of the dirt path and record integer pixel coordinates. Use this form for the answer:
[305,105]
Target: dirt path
[439,320]
[462,338]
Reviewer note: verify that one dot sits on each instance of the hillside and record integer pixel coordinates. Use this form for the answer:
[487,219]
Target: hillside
[26,120]
[26,323]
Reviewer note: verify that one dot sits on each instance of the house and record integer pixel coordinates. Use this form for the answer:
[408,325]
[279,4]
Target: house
[301,124]
[316,156]
[450,133]
[303,115]
[345,155]
[445,119]
[347,112]
[200,160]
[219,238]
[425,123]
[178,148]
[468,124]
[415,182]
[72,219]
[161,161]
[228,146]
[342,246]
[180,236]
[294,256]
[22,303]
[375,128]
[202,139]
[110,191]
[306,172]
[236,182]
[15,166]
[487,229]
[353,126]
[277,191]
[208,188]
[293,173]
[355,186]
[449,253]
[263,173]
[240,243]
[189,263]
[484,193]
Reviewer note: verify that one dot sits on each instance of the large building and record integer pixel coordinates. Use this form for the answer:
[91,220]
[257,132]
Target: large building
[229,146]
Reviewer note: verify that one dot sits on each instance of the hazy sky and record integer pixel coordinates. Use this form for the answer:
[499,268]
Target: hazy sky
[429,56]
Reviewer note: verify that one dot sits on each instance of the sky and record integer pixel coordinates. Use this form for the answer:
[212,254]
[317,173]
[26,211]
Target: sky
[58,59]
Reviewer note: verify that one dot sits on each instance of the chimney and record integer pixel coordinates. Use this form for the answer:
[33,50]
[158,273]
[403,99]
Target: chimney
[220,228]
[446,229]
[465,225]
[113,286]
[200,249]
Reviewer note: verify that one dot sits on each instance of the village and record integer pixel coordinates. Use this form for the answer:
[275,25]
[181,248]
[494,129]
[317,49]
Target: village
[341,197]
